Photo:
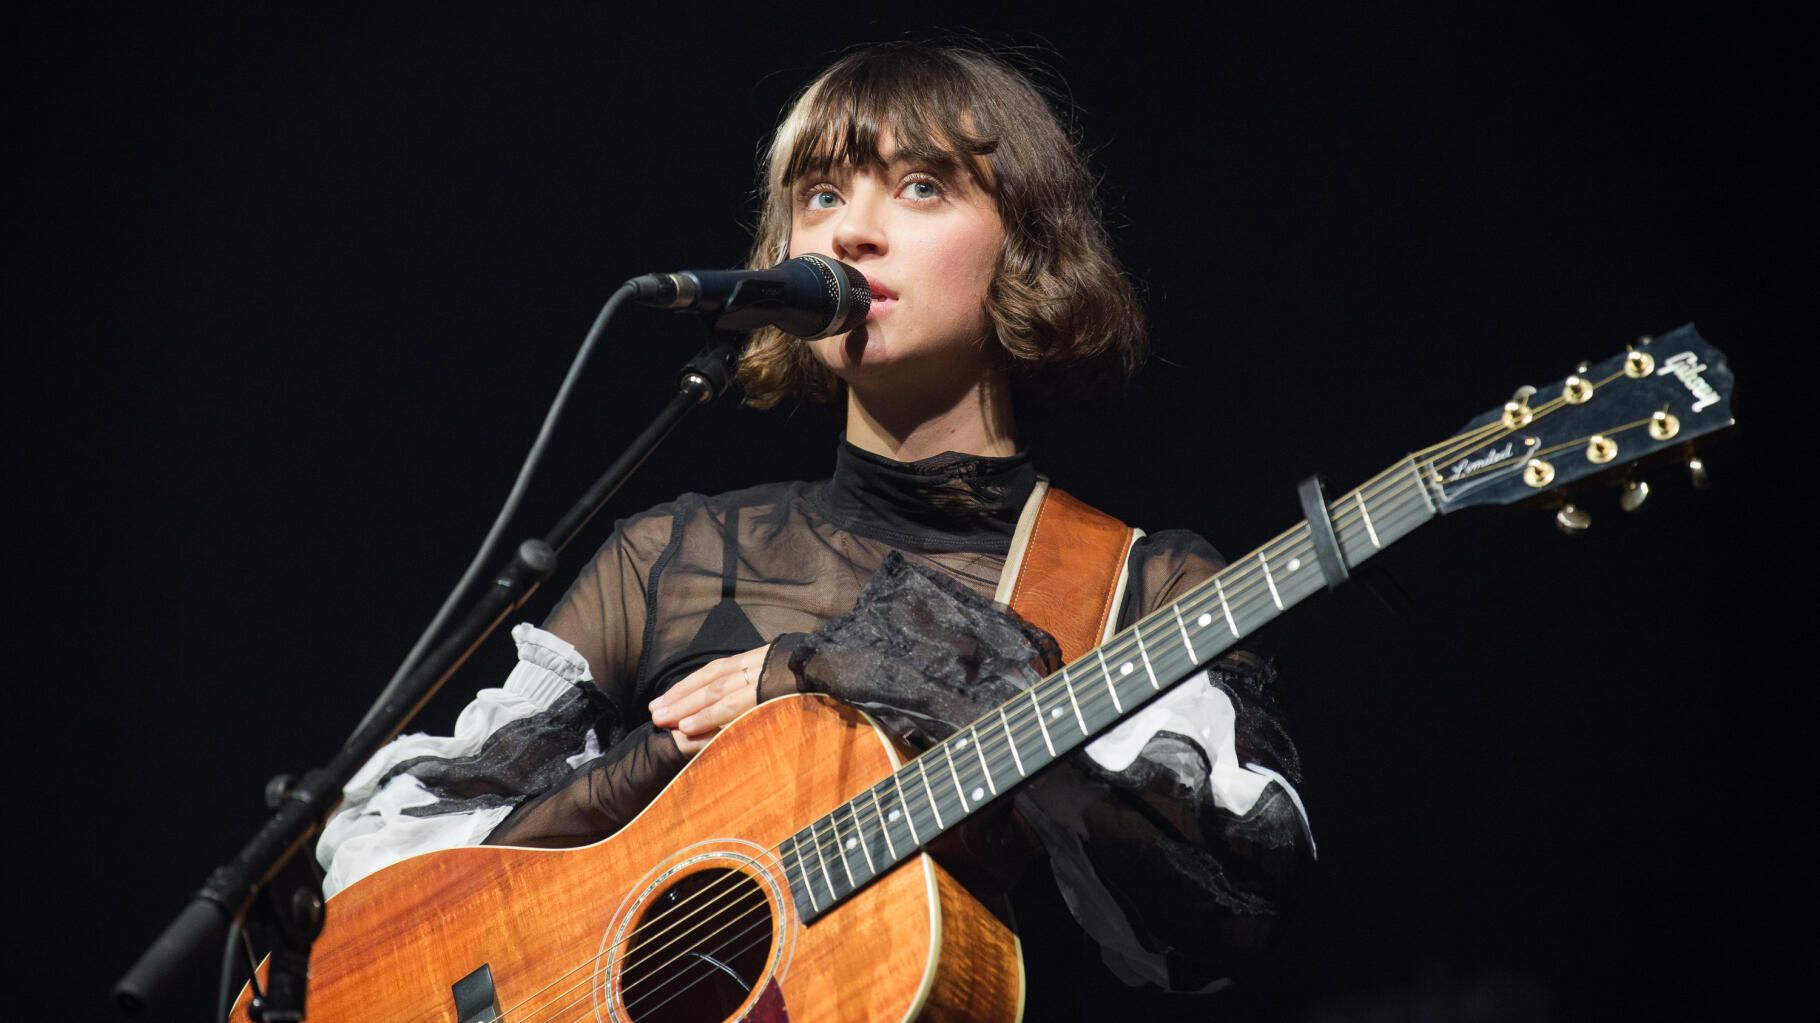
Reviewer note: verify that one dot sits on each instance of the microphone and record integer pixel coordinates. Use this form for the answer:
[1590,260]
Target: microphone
[810,296]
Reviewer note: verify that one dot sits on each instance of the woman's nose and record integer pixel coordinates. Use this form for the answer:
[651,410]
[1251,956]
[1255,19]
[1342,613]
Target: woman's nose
[860,231]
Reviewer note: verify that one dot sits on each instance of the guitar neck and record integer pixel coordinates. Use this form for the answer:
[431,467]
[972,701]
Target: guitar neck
[840,852]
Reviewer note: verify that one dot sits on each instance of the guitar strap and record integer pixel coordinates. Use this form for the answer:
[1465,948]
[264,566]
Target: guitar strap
[1067,569]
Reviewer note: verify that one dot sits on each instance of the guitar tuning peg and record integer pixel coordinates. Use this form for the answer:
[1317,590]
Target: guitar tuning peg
[1696,473]
[1634,495]
[1516,411]
[1572,520]
[1582,366]
[1637,362]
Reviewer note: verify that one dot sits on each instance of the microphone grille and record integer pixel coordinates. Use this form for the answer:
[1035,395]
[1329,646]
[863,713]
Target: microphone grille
[849,296]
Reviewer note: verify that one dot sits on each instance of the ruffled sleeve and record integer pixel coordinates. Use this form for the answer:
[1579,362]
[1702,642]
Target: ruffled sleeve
[1177,838]
[426,792]
[561,718]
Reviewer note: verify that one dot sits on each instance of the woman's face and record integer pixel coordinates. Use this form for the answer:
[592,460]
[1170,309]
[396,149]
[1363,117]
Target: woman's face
[927,237]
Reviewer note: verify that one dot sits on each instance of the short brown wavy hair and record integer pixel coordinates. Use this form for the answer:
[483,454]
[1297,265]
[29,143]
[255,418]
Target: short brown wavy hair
[1060,304]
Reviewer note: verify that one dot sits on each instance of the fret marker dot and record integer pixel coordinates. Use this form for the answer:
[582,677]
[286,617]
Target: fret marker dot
[1204,620]
[1295,563]
[1125,669]
[978,794]
[960,743]
[893,816]
[1056,712]
[852,842]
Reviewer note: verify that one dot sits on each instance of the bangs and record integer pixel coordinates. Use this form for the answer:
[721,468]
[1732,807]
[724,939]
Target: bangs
[919,101]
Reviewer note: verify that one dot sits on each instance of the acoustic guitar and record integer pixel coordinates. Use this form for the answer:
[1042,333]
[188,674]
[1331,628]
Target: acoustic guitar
[782,874]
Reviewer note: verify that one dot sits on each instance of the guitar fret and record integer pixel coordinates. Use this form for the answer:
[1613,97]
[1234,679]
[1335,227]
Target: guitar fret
[1366,515]
[859,835]
[1275,597]
[841,846]
[948,751]
[935,807]
[827,878]
[803,869]
[1040,724]
[984,769]
[1104,670]
[1138,634]
[1421,485]
[1225,608]
[904,805]
[884,825]
[1069,686]
[1189,643]
[1011,742]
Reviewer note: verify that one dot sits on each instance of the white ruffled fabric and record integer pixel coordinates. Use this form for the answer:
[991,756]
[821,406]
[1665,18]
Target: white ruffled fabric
[1202,713]
[370,829]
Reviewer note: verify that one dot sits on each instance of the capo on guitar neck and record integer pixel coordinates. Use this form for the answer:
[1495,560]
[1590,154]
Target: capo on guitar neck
[1312,493]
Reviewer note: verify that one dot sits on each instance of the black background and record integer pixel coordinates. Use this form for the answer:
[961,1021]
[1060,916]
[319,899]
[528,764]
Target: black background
[297,286]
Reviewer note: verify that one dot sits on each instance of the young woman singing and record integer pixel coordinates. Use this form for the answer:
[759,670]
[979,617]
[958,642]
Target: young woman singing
[944,176]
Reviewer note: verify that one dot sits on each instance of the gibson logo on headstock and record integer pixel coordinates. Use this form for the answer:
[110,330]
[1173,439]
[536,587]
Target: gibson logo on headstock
[1467,466]
[1687,368]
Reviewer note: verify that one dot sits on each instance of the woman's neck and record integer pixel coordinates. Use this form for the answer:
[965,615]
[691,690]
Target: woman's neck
[973,419]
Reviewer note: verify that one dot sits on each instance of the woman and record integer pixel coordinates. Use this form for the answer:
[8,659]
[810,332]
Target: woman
[944,176]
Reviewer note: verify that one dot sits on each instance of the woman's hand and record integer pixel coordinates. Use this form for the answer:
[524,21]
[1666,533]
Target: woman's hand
[709,697]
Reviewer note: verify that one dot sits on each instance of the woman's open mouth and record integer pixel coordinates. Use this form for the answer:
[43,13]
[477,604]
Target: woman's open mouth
[883,298]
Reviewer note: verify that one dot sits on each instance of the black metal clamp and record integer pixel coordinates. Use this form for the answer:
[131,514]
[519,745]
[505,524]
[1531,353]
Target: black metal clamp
[1313,494]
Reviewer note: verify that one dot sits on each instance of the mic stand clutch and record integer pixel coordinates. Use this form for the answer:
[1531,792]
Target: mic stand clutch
[277,863]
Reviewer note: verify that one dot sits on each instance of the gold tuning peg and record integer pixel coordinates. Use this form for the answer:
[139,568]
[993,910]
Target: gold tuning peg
[1572,520]
[1516,410]
[1696,473]
[1637,362]
[1634,495]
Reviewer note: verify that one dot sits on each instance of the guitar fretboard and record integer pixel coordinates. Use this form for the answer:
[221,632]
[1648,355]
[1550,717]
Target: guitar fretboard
[840,852]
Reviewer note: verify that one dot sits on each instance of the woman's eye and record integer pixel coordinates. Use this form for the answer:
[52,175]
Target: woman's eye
[821,199]
[922,188]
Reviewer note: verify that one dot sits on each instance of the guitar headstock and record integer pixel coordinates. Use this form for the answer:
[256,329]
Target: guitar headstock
[1654,399]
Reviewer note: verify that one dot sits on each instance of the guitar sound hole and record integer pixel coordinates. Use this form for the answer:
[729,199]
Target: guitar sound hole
[698,950]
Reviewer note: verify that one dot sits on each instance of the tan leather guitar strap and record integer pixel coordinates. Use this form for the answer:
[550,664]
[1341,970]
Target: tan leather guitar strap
[1066,571]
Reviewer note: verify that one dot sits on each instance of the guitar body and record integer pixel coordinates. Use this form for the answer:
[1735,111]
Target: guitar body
[678,914]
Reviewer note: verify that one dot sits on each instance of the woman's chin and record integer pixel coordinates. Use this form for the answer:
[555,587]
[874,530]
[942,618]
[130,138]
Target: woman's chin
[860,353]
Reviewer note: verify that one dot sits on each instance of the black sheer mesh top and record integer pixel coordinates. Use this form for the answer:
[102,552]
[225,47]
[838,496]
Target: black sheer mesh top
[1148,863]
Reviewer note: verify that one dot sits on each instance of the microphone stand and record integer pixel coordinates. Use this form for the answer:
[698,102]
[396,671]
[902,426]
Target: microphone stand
[273,878]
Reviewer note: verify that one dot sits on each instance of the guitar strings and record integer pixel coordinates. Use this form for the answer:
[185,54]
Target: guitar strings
[639,932]
[1195,602]
[1247,586]
[656,970]
[707,973]
[550,1010]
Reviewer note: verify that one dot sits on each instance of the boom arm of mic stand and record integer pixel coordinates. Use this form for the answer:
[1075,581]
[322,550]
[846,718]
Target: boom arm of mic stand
[230,890]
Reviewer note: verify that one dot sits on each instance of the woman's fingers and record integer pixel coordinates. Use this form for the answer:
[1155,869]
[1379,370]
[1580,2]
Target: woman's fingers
[712,695]
[696,708]
[703,689]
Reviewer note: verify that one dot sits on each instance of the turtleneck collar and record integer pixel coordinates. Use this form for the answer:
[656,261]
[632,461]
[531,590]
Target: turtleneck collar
[950,501]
